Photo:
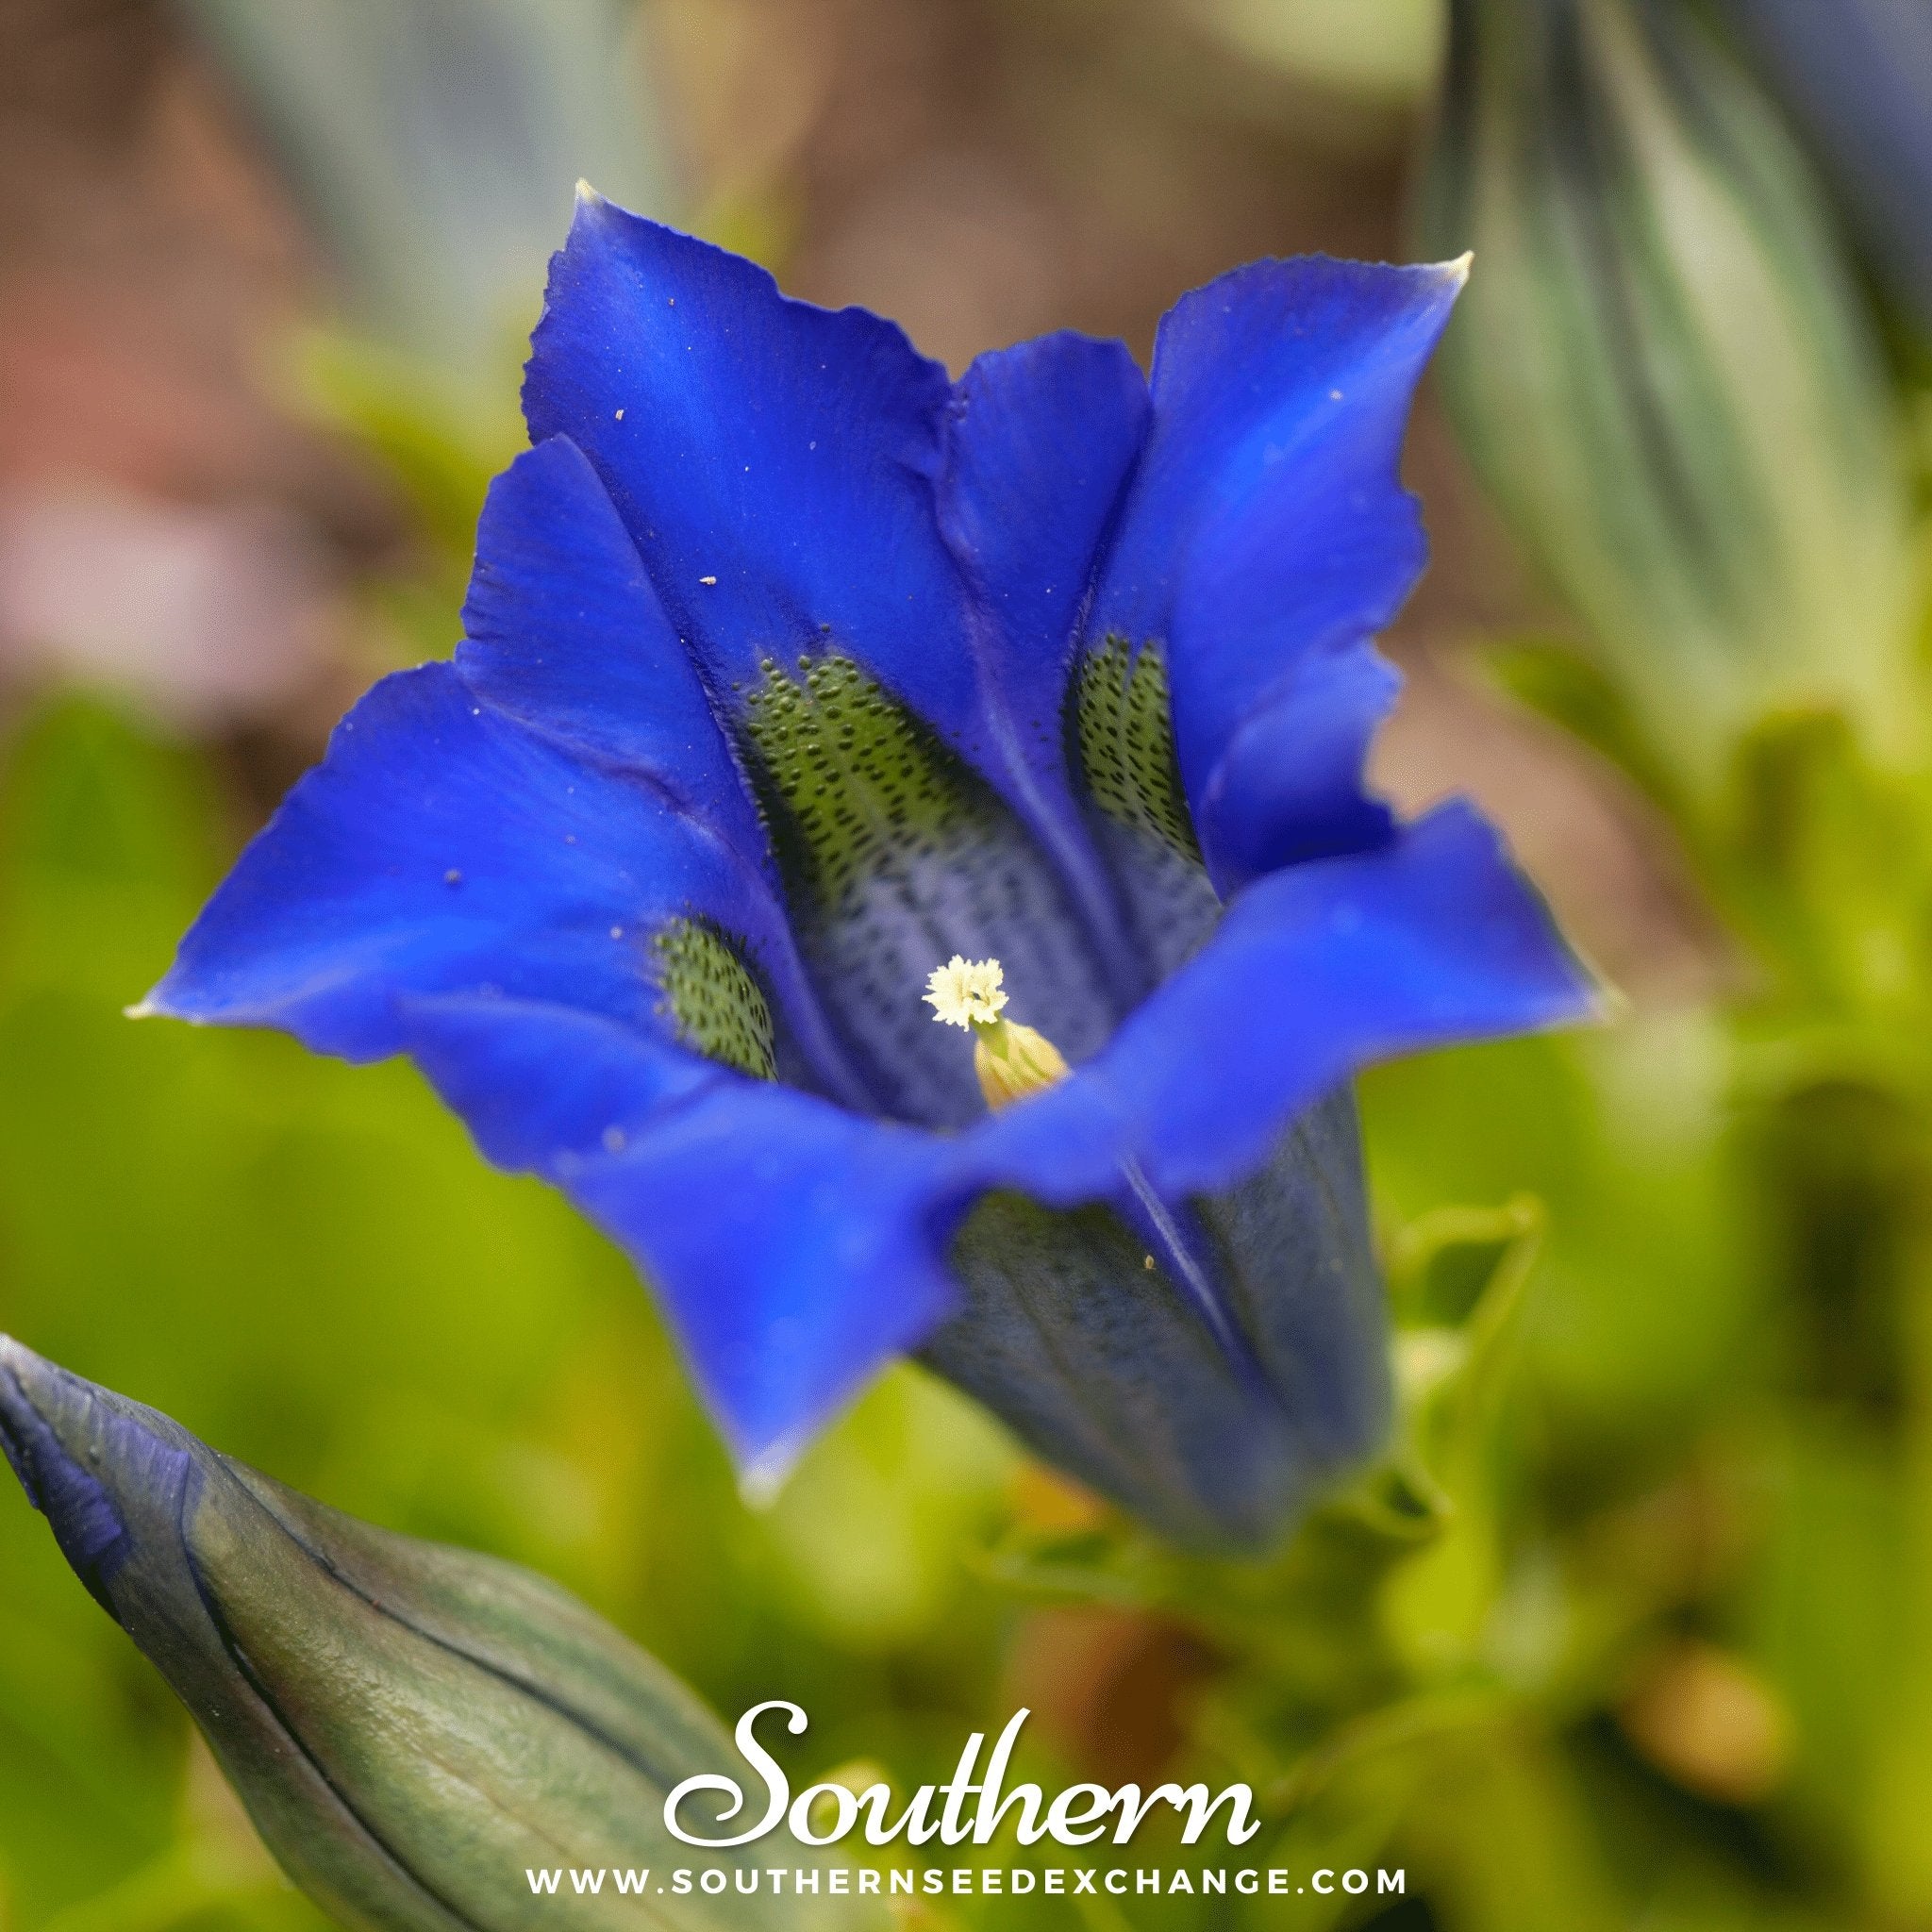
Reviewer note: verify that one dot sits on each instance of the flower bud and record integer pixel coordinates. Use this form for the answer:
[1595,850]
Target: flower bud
[1664,374]
[423,1736]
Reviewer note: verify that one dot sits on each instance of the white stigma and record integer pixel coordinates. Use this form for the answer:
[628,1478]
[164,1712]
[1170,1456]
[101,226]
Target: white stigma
[965,991]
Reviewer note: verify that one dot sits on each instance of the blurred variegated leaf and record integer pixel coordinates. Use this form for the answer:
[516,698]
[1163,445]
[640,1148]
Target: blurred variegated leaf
[435,143]
[1857,78]
[1662,371]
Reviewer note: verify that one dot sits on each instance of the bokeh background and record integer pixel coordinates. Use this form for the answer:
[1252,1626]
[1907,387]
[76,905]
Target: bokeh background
[265,270]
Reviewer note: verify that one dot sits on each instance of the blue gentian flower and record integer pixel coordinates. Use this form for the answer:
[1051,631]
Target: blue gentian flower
[792,669]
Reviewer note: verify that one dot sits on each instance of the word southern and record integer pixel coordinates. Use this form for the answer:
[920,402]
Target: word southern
[1075,1816]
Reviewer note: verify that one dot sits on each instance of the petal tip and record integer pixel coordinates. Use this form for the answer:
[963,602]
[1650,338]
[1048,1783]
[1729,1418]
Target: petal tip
[13,1403]
[39,1403]
[760,1482]
[17,1362]
[1603,1004]
[22,1374]
[59,1445]
[167,999]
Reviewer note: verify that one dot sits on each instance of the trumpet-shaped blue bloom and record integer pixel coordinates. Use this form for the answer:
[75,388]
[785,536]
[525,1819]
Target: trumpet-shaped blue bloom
[791,669]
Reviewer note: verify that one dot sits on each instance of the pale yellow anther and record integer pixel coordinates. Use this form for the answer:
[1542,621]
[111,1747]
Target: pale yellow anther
[1010,1061]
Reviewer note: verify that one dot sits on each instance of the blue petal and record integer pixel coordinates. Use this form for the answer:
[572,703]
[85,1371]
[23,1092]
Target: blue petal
[825,1225]
[796,1247]
[442,847]
[1313,972]
[1105,1367]
[1215,1430]
[1044,440]
[543,1086]
[1288,785]
[785,472]
[565,633]
[1301,1282]
[1267,525]
[773,462]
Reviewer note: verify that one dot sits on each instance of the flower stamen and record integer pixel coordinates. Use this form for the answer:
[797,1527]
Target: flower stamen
[963,992]
[1010,1061]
